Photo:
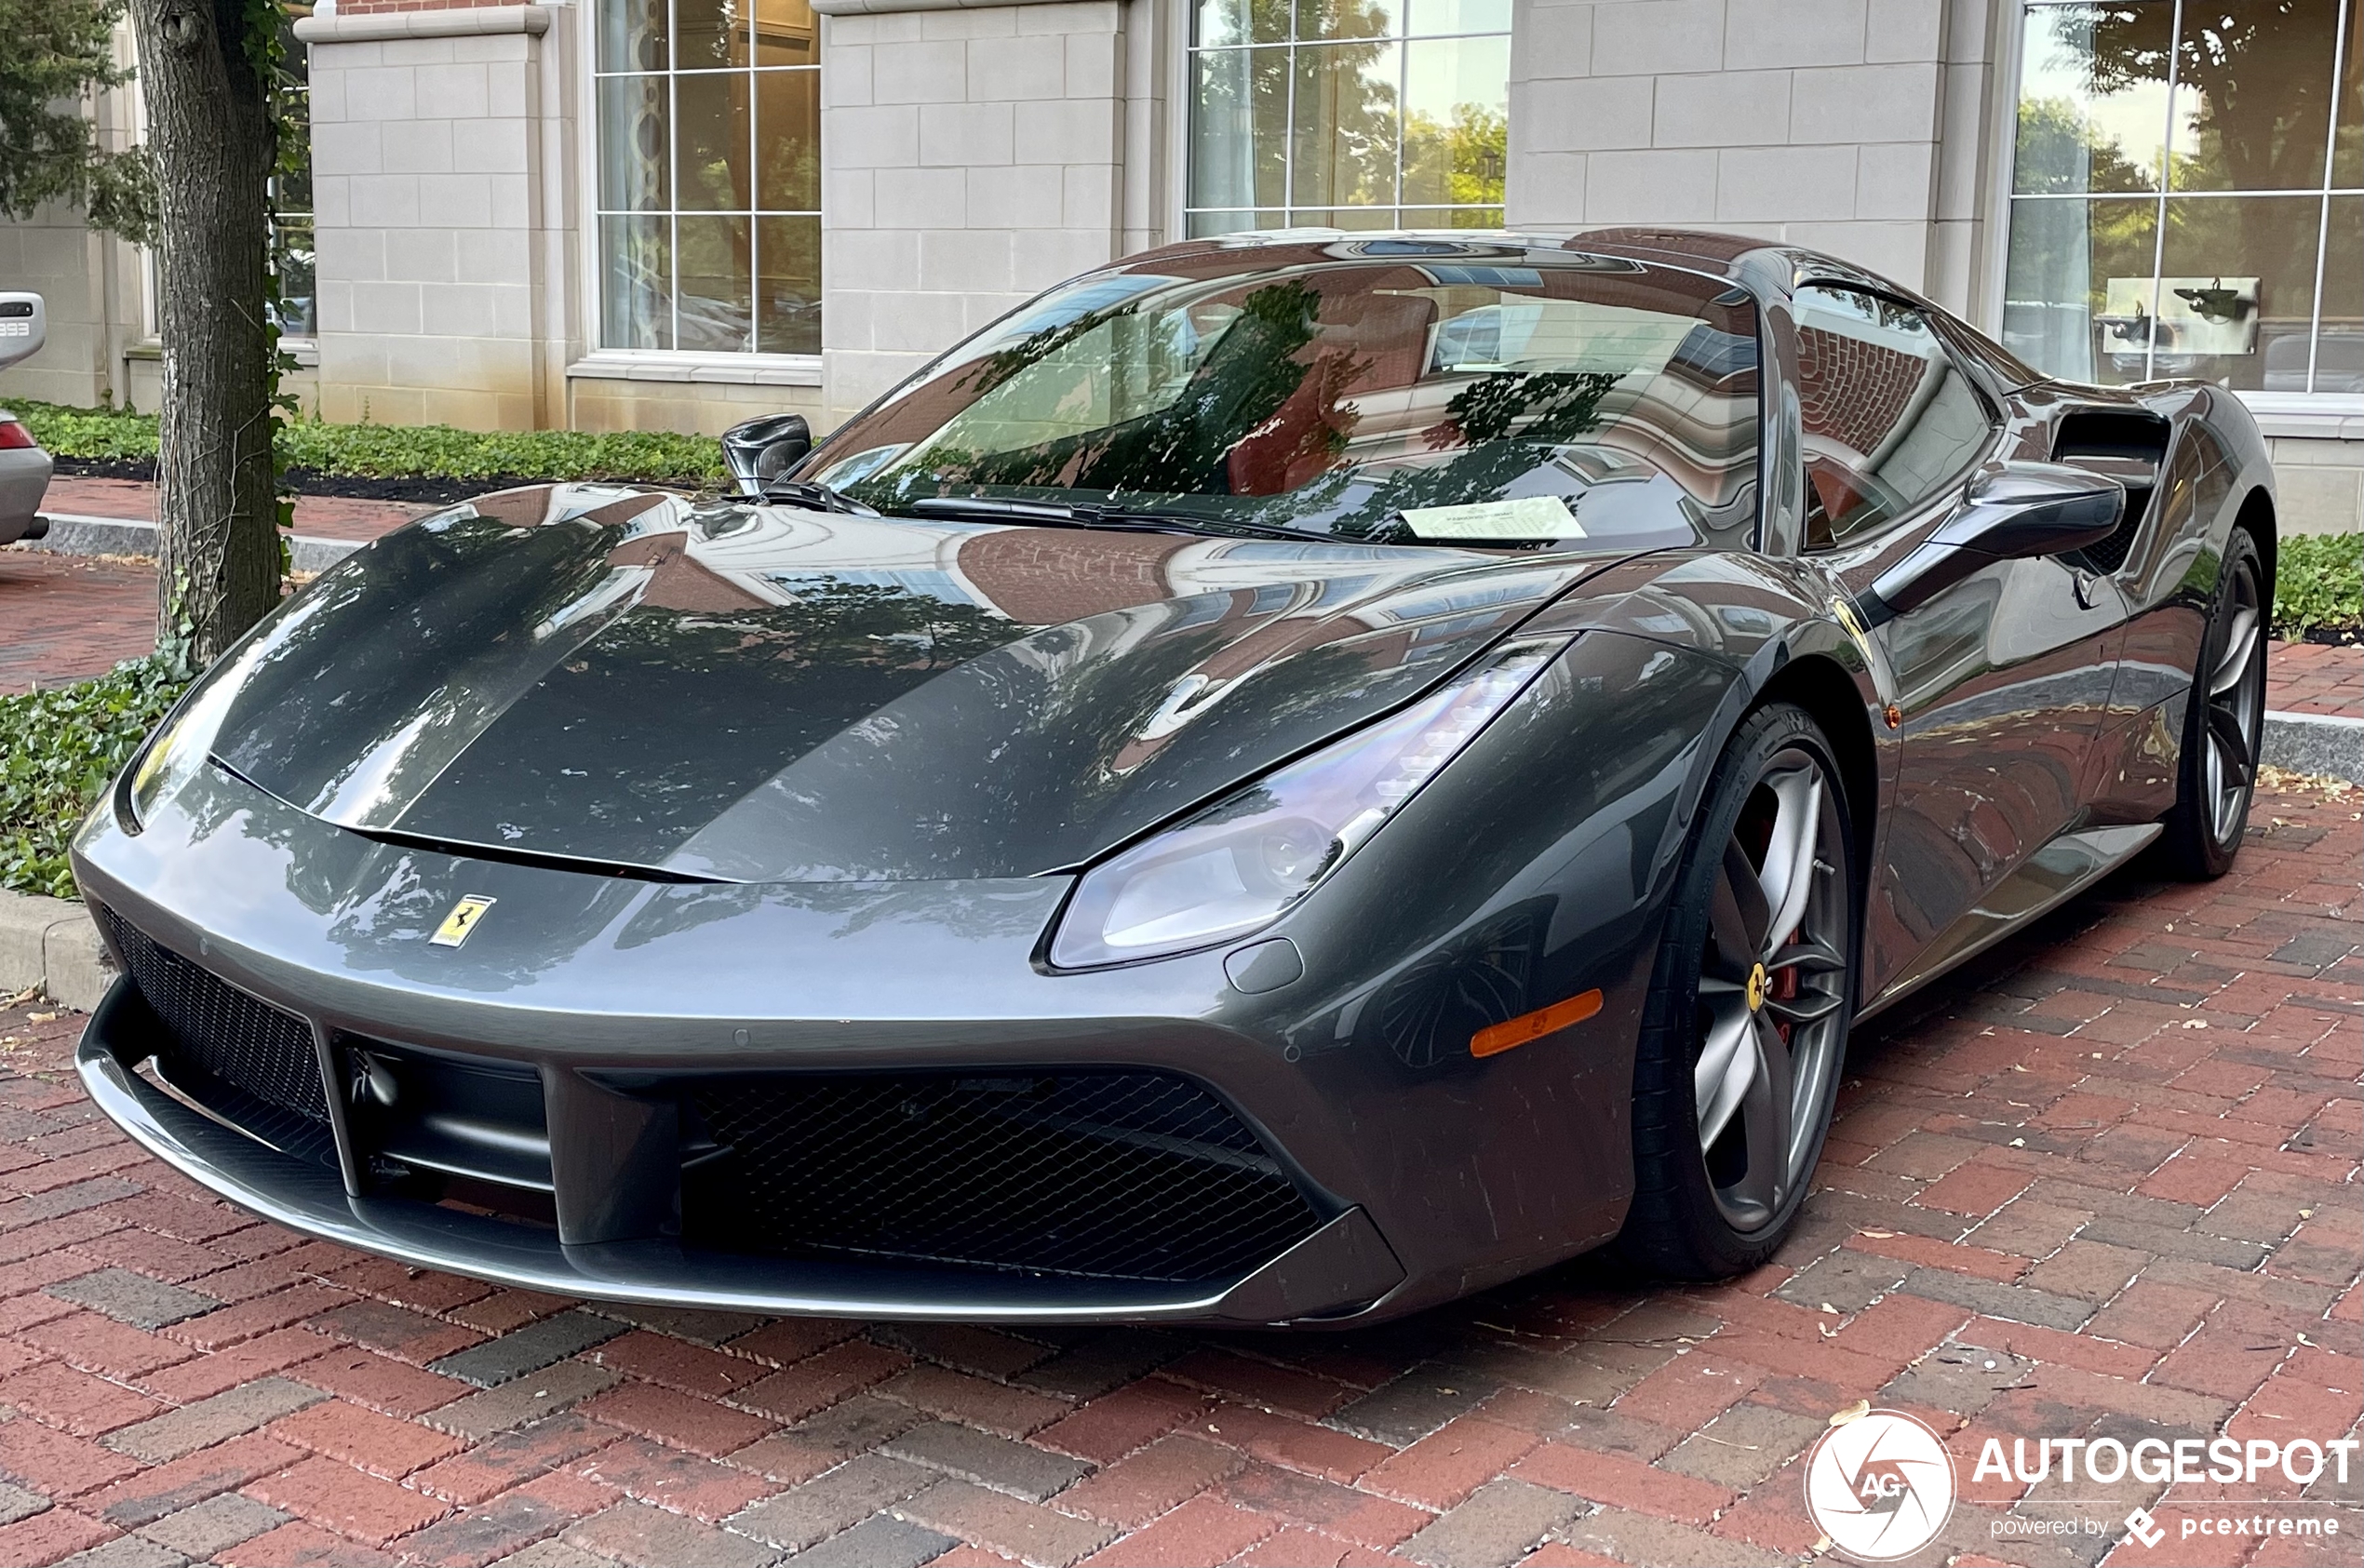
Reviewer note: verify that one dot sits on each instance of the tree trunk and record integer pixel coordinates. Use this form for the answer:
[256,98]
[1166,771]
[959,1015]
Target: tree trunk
[211,136]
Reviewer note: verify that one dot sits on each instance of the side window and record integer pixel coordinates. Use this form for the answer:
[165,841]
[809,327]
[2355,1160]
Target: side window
[1887,416]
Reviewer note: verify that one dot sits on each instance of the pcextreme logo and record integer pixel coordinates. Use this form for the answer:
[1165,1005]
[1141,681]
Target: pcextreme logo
[1880,1485]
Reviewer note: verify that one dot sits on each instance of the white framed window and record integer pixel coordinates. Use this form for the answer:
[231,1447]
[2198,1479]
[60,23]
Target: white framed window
[291,229]
[2187,193]
[707,187]
[1347,114]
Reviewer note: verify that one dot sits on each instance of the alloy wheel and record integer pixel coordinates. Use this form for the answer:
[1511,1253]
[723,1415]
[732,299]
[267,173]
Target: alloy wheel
[1772,991]
[2236,705]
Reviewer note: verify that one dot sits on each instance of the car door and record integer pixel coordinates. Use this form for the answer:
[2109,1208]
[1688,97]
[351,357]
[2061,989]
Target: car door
[2002,680]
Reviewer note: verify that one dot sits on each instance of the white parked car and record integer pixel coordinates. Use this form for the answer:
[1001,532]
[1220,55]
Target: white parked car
[24,468]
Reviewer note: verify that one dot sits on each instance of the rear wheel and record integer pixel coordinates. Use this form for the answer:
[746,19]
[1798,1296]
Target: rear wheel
[2223,723]
[1746,1026]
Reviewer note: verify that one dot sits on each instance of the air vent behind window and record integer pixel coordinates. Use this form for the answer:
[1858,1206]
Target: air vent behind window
[2128,445]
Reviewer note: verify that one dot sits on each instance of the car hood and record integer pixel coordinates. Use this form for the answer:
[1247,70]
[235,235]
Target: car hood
[766,693]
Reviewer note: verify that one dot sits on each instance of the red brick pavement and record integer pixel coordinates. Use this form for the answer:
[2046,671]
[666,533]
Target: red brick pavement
[2103,1182]
[66,617]
[2316,677]
[325,517]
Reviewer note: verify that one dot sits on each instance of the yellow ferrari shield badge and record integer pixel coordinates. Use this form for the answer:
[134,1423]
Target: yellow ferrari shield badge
[461,921]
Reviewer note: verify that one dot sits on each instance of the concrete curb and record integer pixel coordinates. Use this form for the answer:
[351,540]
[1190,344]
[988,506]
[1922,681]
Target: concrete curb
[72,533]
[50,942]
[2316,743]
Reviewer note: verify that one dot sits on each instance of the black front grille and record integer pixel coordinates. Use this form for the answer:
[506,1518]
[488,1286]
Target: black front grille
[1132,1175]
[218,1029]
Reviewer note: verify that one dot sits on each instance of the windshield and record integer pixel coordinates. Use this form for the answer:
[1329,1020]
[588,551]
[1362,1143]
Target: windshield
[1387,391]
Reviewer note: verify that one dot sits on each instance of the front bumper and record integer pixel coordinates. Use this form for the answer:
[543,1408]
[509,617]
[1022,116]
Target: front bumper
[588,1001]
[599,1094]
[1344,1263]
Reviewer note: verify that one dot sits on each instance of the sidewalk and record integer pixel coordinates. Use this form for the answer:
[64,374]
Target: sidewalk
[2316,677]
[68,617]
[2102,1183]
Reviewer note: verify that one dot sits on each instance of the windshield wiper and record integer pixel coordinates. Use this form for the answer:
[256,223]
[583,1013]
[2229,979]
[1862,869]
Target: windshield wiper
[1091,515]
[818,496]
[1196,523]
[993,510]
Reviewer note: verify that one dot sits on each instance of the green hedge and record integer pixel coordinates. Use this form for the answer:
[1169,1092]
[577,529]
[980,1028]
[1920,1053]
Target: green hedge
[58,749]
[2319,583]
[399,451]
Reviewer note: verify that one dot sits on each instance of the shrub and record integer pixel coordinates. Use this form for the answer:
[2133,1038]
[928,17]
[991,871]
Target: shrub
[58,749]
[2319,583]
[399,451]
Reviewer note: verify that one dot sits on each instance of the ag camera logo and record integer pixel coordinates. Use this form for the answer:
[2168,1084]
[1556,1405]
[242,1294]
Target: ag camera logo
[1880,1486]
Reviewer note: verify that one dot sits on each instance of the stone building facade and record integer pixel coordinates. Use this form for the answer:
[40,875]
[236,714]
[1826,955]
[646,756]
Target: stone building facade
[612,214]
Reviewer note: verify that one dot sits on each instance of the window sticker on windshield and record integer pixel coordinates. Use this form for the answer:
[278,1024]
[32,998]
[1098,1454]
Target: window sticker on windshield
[1530,517]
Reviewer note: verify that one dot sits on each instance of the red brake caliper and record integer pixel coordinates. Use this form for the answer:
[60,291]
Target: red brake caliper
[1782,988]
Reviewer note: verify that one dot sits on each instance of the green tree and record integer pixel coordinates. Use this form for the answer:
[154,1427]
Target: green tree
[2060,151]
[53,53]
[2259,74]
[1460,161]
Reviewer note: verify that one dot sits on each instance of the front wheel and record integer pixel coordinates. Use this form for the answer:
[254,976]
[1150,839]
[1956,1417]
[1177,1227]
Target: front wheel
[1747,1020]
[2223,722]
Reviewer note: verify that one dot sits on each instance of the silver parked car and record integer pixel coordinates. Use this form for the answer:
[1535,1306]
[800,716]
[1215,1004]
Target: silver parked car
[24,468]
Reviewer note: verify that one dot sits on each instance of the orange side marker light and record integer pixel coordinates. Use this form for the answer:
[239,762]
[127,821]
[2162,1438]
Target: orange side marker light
[1536,1025]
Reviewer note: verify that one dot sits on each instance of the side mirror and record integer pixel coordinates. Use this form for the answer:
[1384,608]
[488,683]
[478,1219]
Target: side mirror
[759,450]
[24,327]
[2010,511]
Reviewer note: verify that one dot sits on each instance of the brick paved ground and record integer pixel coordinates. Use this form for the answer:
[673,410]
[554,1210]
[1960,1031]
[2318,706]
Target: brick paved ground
[2316,677]
[65,618]
[2105,1182]
[325,517]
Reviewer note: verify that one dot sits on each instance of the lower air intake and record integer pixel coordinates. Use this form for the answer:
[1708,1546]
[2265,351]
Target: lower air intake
[1130,1175]
[246,1043]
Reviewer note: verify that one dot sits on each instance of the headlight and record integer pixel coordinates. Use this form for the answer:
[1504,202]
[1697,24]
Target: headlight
[180,747]
[1246,860]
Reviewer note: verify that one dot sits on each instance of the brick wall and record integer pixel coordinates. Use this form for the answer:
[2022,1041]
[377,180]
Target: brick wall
[1044,578]
[1853,390]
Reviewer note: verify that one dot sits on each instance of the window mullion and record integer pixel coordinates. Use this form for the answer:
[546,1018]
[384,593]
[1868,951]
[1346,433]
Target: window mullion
[2167,181]
[673,172]
[2323,225]
[1403,111]
[1288,131]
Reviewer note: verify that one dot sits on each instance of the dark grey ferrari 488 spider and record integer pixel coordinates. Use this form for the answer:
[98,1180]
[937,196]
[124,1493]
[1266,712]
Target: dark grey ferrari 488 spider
[1293,778]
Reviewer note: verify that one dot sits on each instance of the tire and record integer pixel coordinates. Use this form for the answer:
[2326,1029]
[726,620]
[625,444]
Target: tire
[1742,1021]
[2223,723]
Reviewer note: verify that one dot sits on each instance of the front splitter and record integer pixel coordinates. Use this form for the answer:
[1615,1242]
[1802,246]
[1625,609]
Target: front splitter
[1338,1274]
